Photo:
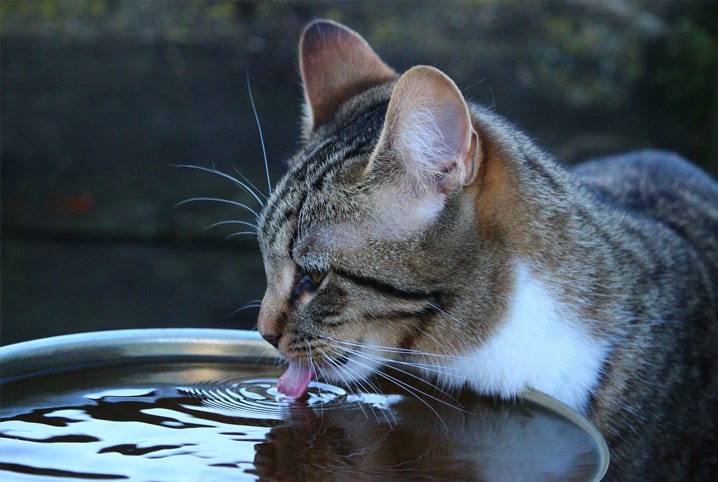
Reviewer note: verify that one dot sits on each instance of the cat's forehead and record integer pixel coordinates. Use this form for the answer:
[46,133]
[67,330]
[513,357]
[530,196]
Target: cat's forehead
[314,218]
[323,187]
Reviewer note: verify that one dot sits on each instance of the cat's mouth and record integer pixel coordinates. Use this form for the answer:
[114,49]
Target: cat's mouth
[346,368]
[296,379]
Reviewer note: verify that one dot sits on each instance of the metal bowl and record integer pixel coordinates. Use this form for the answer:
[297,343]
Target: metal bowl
[196,404]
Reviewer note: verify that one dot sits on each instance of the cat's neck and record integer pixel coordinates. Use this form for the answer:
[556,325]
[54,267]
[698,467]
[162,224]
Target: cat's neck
[540,344]
[523,192]
[551,224]
[552,335]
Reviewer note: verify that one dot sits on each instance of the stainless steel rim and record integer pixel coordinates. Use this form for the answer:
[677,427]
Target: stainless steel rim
[64,352]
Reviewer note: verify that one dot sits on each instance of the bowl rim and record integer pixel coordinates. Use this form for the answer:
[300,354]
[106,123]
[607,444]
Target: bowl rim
[66,352]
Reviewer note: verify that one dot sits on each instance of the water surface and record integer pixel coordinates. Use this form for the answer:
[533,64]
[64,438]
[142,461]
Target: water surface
[223,421]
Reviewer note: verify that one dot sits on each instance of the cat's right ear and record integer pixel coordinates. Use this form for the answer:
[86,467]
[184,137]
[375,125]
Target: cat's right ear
[428,148]
[429,132]
[335,63]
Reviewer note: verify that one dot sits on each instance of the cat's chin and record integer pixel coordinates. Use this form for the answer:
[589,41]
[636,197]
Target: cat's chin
[350,372]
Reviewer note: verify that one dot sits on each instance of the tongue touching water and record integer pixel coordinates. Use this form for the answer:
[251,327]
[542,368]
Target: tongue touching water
[294,382]
[213,417]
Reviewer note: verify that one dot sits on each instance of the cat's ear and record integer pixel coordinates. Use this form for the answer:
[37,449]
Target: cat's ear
[335,63]
[428,132]
[427,149]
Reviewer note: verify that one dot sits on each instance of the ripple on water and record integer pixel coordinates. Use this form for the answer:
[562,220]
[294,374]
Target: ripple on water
[258,398]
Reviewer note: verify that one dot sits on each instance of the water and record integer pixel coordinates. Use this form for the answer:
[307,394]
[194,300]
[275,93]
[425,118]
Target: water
[223,421]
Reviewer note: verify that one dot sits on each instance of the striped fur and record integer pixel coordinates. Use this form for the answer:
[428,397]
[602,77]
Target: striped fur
[500,269]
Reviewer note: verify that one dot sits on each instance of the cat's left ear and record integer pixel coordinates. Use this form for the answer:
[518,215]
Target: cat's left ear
[428,132]
[335,63]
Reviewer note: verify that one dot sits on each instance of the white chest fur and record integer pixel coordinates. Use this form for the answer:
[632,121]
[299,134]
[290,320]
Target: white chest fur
[540,345]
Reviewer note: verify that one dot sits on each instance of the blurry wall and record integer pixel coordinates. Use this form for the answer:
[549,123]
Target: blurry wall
[99,98]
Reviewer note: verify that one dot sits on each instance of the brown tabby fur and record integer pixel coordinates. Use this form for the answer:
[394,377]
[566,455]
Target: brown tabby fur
[421,256]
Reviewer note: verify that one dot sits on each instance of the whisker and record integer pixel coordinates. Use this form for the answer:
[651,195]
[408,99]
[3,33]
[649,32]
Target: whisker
[243,223]
[350,377]
[250,183]
[426,367]
[364,384]
[249,305]
[391,363]
[340,370]
[387,349]
[261,136]
[416,392]
[219,200]
[397,350]
[445,313]
[241,233]
[234,180]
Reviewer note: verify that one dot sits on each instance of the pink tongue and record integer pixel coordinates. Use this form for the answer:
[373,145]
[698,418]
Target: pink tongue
[295,381]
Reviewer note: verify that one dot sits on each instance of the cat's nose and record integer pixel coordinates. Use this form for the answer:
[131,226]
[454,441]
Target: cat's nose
[267,324]
[272,339]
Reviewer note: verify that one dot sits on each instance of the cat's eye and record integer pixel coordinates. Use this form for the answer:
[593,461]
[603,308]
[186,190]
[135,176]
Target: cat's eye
[310,280]
[317,276]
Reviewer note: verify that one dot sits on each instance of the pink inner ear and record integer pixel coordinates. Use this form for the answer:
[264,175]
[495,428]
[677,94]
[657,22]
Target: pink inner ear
[336,63]
[429,143]
[431,127]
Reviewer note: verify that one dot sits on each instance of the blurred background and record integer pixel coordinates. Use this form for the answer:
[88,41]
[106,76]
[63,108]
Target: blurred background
[100,98]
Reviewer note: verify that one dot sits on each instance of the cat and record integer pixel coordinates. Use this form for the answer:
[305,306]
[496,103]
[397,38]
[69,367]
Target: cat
[415,228]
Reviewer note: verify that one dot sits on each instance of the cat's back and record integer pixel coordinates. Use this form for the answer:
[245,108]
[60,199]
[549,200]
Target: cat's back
[658,205]
[664,188]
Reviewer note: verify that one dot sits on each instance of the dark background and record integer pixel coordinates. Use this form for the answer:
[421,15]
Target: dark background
[99,98]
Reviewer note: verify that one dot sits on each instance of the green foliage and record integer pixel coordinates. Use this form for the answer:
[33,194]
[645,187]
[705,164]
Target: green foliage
[580,55]
[691,56]
[169,20]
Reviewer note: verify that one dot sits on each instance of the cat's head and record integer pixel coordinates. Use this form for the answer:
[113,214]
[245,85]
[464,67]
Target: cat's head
[369,238]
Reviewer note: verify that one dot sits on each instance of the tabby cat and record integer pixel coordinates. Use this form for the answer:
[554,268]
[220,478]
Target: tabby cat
[415,227]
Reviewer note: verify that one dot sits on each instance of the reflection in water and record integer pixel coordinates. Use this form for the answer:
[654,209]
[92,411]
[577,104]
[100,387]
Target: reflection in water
[485,442]
[236,427]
